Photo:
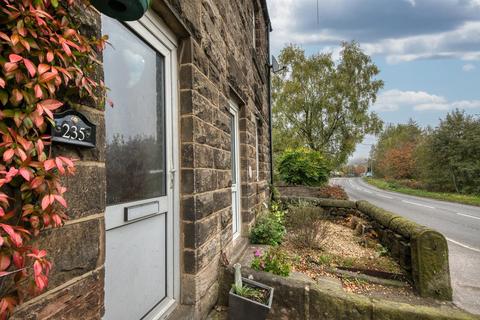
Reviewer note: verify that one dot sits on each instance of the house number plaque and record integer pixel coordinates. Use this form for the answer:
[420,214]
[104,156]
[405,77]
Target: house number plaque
[72,127]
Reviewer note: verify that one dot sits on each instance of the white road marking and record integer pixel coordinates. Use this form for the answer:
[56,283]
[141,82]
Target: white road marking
[463,245]
[467,215]
[418,204]
[364,190]
[381,195]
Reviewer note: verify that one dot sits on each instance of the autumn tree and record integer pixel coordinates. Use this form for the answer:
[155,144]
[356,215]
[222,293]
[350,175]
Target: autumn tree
[394,154]
[323,104]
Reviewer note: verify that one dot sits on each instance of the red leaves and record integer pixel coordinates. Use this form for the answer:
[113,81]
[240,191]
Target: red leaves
[15,238]
[50,56]
[49,164]
[42,68]
[59,163]
[8,155]
[7,305]
[38,92]
[41,268]
[49,199]
[46,77]
[14,58]
[30,67]
[48,106]
[40,48]
[26,173]
[18,260]
[4,262]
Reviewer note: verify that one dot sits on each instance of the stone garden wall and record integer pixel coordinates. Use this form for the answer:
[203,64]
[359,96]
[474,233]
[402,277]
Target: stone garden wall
[299,297]
[421,251]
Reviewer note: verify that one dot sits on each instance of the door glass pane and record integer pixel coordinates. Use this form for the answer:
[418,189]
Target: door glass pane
[134,116]
[233,148]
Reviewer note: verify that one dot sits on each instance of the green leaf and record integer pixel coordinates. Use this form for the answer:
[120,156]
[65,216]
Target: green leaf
[54,3]
[3,97]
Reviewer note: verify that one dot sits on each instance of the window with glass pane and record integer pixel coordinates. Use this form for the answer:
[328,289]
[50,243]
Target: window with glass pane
[135,122]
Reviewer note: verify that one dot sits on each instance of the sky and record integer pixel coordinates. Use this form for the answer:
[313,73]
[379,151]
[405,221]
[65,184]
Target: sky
[428,51]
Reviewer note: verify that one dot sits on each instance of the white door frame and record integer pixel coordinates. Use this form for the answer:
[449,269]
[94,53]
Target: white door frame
[237,187]
[154,31]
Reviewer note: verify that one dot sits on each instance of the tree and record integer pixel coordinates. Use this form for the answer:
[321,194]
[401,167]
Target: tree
[394,154]
[452,151]
[303,166]
[322,104]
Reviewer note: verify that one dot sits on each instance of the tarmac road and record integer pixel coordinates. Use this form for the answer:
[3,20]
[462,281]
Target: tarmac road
[459,223]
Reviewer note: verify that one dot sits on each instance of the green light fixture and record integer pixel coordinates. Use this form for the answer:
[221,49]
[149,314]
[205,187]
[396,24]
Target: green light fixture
[123,10]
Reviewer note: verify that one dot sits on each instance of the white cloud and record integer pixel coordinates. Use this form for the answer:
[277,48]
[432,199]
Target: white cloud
[462,104]
[393,100]
[468,67]
[401,30]
[412,2]
[456,43]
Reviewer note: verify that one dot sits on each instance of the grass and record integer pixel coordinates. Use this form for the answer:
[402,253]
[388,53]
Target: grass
[452,197]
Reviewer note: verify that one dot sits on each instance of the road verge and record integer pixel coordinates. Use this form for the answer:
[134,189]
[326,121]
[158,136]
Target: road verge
[451,197]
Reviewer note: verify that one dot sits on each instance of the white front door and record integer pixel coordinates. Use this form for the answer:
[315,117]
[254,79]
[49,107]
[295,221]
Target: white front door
[235,153]
[141,240]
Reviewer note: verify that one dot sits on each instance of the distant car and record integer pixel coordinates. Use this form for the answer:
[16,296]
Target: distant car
[368,174]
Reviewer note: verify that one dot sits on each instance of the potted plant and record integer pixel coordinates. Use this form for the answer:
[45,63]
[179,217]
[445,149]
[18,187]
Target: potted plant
[248,299]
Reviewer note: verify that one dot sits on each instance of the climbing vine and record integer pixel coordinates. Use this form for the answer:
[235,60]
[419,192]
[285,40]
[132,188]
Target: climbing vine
[44,60]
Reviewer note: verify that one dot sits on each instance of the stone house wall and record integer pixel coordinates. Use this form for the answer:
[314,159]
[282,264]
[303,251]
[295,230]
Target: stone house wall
[218,63]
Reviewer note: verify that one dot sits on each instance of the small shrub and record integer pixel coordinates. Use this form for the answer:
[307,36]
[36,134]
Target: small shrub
[348,262]
[325,259]
[309,226]
[275,260]
[303,166]
[274,193]
[413,184]
[333,192]
[269,227]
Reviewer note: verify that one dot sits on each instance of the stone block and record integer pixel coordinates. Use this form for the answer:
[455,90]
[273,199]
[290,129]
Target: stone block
[197,233]
[73,249]
[86,190]
[187,208]
[222,159]
[430,267]
[187,181]
[82,299]
[205,180]
[203,156]
[224,179]
[207,252]
[204,205]
[186,129]
[222,199]
[187,156]
[222,121]
[204,86]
